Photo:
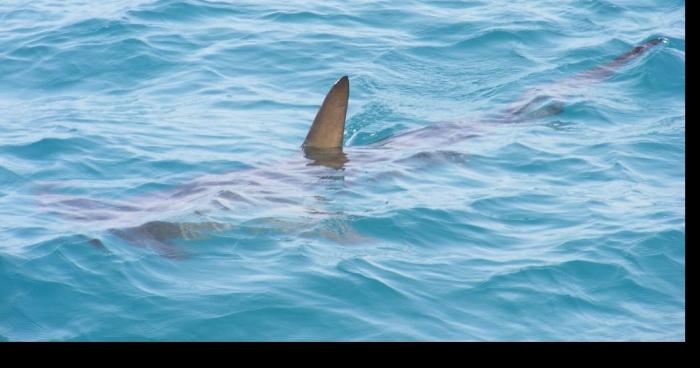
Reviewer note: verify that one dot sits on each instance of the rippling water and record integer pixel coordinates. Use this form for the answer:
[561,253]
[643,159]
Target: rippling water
[152,186]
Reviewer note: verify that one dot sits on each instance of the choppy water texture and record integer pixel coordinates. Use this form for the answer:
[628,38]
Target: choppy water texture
[563,227]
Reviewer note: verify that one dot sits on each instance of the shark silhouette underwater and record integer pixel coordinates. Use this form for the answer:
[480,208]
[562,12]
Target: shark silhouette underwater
[322,151]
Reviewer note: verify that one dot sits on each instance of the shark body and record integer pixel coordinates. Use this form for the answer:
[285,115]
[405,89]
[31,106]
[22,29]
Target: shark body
[324,156]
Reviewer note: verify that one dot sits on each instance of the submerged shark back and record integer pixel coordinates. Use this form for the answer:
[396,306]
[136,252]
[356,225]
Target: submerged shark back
[324,140]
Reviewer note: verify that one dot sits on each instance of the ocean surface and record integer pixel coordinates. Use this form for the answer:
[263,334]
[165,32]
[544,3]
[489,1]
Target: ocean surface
[152,186]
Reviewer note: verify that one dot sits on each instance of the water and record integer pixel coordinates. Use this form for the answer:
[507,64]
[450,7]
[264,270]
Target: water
[563,227]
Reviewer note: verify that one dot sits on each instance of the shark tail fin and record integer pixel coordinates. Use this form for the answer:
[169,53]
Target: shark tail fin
[535,104]
[329,125]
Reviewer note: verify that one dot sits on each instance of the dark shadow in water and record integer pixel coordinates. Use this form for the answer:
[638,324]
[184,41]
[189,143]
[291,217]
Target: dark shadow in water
[158,235]
[333,158]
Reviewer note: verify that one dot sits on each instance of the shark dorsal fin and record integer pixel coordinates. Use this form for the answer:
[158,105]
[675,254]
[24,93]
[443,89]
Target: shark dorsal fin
[329,125]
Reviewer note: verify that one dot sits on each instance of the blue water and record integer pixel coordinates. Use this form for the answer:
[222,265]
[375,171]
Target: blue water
[563,227]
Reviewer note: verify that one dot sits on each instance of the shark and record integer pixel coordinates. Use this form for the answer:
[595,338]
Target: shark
[323,156]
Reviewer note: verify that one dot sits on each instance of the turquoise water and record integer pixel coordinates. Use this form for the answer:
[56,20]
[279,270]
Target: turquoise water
[152,186]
